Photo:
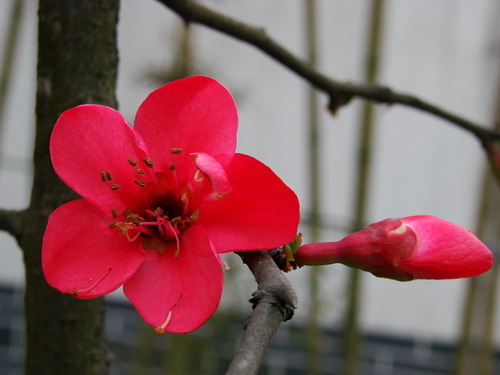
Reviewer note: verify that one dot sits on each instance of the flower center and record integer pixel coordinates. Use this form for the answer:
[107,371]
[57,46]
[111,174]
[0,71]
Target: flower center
[169,206]
[164,222]
[165,213]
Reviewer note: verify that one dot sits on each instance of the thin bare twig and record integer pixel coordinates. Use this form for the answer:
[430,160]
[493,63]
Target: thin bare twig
[10,221]
[338,92]
[273,303]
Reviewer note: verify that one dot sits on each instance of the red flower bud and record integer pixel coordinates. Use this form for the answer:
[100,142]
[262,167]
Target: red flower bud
[414,247]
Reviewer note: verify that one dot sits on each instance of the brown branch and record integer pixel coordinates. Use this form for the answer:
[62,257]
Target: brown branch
[10,221]
[273,302]
[338,92]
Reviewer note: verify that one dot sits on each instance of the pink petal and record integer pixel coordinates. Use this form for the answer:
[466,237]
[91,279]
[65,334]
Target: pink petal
[82,256]
[260,213]
[184,291]
[445,250]
[215,172]
[90,139]
[195,114]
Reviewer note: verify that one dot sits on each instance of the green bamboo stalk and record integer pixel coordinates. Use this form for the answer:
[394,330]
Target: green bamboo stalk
[485,354]
[186,51]
[466,351]
[9,54]
[461,357]
[144,349]
[351,334]
[314,339]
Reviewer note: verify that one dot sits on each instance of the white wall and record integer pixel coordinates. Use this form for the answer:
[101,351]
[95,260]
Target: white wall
[438,50]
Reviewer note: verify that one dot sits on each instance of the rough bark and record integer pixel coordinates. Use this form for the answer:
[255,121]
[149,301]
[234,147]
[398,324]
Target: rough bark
[77,63]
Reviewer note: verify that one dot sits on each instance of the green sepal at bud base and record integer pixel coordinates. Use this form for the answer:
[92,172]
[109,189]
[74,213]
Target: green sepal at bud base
[294,246]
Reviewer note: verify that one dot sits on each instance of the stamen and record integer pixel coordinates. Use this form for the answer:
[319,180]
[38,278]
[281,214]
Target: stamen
[115,186]
[184,198]
[114,213]
[175,179]
[109,176]
[148,162]
[176,220]
[139,170]
[195,215]
[145,230]
[161,225]
[178,249]
[172,166]
[132,162]
[140,182]
[75,290]
[224,264]
[198,176]
[132,239]
[134,219]
[176,151]
[161,329]
[103,176]
[122,226]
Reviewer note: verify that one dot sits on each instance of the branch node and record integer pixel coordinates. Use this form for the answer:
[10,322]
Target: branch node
[10,222]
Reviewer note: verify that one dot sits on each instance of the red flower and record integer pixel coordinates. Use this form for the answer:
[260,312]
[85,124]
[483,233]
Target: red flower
[161,201]
[415,247]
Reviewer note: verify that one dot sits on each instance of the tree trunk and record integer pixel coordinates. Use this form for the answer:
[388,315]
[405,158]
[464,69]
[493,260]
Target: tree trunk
[77,63]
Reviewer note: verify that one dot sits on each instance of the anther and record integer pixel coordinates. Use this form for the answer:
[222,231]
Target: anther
[109,176]
[115,186]
[176,220]
[148,162]
[103,176]
[198,176]
[195,215]
[172,166]
[140,182]
[176,151]
[134,219]
[132,162]
[158,212]
[139,170]
[114,213]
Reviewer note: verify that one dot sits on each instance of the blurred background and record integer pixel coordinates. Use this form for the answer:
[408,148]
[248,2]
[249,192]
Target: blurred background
[446,52]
